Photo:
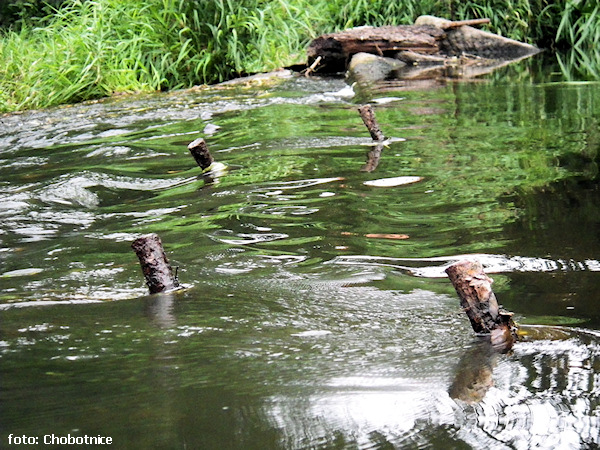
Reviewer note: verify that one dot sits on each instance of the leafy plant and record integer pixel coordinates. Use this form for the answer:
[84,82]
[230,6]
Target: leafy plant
[87,49]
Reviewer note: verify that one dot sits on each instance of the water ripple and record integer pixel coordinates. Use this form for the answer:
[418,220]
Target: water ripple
[39,303]
[246,238]
[298,184]
[491,264]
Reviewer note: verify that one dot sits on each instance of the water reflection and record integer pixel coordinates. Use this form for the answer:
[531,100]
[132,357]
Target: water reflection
[502,402]
[539,398]
[316,312]
[362,412]
[159,307]
[474,373]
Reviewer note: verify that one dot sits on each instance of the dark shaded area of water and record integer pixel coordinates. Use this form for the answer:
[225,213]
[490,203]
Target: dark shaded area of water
[316,312]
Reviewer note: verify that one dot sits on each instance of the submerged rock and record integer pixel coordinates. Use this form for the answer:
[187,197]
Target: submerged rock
[369,68]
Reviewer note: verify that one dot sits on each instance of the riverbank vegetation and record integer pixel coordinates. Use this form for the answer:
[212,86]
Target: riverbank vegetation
[69,51]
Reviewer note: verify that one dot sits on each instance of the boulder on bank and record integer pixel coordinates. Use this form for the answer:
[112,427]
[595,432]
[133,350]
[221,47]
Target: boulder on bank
[431,43]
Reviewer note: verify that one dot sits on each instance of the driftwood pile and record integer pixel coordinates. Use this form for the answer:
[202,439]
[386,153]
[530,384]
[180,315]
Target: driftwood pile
[336,49]
[432,47]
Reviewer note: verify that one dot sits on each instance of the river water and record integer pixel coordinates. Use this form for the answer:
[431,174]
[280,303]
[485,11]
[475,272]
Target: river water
[315,311]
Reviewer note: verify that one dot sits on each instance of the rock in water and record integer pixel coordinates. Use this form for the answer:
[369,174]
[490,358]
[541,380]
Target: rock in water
[366,68]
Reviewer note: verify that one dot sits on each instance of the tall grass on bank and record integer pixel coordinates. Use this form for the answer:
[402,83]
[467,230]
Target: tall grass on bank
[92,48]
[579,30]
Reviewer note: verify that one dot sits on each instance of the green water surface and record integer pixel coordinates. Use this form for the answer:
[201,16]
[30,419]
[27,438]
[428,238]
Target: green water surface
[315,311]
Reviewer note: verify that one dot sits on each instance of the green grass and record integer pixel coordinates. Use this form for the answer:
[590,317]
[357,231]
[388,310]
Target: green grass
[94,48]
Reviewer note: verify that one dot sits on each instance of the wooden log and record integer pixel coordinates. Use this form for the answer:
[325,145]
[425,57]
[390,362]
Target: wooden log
[461,39]
[336,49]
[446,24]
[468,40]
[368,116]
[201,153]
[468,22]
[429,36]
[474,289]
[155,265]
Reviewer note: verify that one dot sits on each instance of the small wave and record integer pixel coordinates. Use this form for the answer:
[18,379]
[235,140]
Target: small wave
[34,303]
[75,189]
[392,182]
[21,272]
[491,264]
[326,142]
[246,238]
[244,264]
[19,162]
[300,184]
[312,333]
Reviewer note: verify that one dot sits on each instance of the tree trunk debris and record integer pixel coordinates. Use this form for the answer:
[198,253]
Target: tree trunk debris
[312,67]
[468,22]
[438,40]
[478,300]
[155,265]
[201,153]
[336,49]
[368,116]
